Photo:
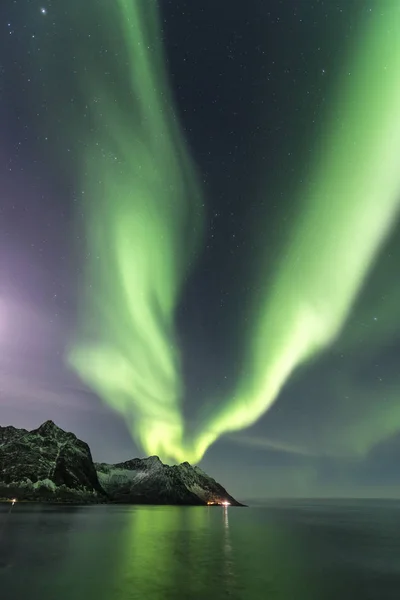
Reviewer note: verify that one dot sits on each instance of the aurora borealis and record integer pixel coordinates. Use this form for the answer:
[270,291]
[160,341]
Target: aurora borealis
[143,221]
[200,227]
[347,209]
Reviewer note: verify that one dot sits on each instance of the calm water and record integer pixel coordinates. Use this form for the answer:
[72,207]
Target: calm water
[290,551]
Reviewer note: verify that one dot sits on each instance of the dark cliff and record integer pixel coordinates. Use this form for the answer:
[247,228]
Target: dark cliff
[46,463]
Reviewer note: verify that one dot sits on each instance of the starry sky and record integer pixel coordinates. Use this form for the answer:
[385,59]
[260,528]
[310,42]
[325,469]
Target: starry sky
[250,82]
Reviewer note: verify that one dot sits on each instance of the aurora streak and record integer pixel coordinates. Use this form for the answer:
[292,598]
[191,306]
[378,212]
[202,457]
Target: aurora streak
[144,224]
[349,207]
[143,217]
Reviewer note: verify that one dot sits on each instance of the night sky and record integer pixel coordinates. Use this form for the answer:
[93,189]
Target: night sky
[250,83]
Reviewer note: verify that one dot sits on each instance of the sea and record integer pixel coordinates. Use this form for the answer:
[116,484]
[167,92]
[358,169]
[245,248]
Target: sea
[280,550]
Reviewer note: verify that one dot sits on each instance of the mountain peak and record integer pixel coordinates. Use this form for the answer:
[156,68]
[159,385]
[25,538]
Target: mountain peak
[154,460]
[48,424]
[50,429]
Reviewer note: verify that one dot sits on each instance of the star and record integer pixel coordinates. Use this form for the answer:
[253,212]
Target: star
[43,11]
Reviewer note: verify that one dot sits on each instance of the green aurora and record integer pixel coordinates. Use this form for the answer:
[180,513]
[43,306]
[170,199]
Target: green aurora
[144,221]
[348,209]
[146,209]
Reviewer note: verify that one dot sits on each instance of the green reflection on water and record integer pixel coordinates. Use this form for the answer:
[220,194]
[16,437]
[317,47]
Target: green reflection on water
[159,553]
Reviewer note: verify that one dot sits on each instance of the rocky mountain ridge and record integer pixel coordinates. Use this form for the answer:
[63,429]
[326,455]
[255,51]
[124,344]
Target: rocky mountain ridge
[50,464]
[149,481]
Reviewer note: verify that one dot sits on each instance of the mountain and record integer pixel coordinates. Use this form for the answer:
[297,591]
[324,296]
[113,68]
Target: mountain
[47,464]
[149,481]
[50,464]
